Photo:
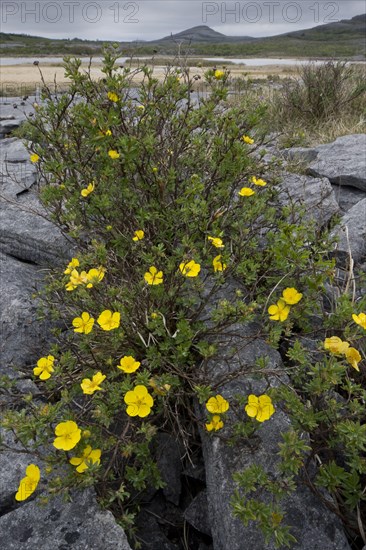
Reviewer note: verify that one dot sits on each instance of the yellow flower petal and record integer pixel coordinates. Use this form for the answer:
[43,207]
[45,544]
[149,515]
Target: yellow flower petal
[246,192]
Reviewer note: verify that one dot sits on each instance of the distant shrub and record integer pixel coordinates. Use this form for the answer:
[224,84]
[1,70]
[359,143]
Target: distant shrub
[322,91]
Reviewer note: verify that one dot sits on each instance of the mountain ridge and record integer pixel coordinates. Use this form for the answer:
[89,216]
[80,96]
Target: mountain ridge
[342,39]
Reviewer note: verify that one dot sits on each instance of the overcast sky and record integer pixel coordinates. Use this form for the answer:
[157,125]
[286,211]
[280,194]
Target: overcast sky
[150,19]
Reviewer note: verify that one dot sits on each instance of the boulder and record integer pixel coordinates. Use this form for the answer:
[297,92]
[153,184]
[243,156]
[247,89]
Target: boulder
[26,234]
[351,232]
[23,336]
[347,196]
[314,195]
[13,151]
[13,112]
[196,514]
[343,161]
[25,230]
[168,457]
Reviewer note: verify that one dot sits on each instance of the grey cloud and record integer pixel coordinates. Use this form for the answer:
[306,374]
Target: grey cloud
[151,19]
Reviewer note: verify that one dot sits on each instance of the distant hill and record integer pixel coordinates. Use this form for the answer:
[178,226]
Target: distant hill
[344,38]
[201,33]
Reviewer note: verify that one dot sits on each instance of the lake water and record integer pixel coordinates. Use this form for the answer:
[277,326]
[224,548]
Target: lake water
[249,62]
[260,61]
[58,60]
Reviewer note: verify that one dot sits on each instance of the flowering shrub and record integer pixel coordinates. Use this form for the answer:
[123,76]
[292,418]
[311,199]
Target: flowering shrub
[151,186]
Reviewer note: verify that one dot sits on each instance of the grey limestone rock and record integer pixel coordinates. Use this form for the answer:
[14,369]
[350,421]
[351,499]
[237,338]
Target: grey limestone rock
[13,112]
[351,232]
[26,234]
[22,335]
[12,468]
[25,230]
[343,161]
[303,154]
[347,196]
[79,524]
[197,514]
[168,456]
[315,195]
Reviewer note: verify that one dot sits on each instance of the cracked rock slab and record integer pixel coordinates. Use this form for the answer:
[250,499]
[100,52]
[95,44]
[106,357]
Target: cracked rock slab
[79,525]
[343,161]
[27,235]
[22,336]
[351,233]
[314,195]
[347,197]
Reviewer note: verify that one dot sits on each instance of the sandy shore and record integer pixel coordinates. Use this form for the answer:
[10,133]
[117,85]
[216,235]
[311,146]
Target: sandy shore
[22,78]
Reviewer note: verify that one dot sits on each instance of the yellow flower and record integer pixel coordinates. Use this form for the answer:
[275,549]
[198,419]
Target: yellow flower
[246,192]
[113,154]
[215,424]
[128,364]
[154,315]
[139,402]
[217,405]
[219,74]
[77,278]
[108,320]
[247,139]
[90,386]
[138,235]
[83,324]
[34,158]
[218,264]
[44,367]
[335,345]
[70,266]
[140,108]
[153,276]
[29,483]
[107,133]
[291,296]
[95,276]
[85,192]
[216,242]
[353,357]
[68,435]
[69,286]
[260,408]
[360,319]
[279,311]
[258,181]
[113,97]
[190,269]
[89,456]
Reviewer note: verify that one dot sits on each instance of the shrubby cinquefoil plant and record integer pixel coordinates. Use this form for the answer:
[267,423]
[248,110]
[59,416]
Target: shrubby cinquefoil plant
[166,197]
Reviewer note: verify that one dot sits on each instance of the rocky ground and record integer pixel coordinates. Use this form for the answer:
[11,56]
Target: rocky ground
[335,183]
